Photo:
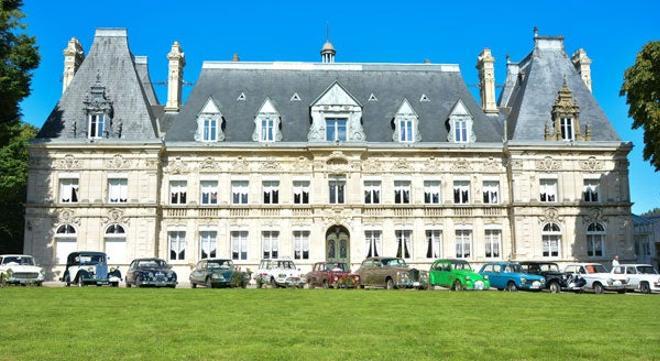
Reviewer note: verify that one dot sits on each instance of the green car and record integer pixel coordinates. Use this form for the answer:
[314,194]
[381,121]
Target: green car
[457,275]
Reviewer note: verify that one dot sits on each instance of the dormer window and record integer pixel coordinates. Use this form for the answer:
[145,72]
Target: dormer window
[564,124]
[460,124]
[99,113]
[210,130]
[267,124]
[405,124]
[209,124]
[567,130]
[96,125]
[460,131]
[267,129]
[335,129]
[406,130]
[336,117]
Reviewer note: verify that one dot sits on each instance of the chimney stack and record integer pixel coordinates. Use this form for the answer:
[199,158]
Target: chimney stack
[486,67]
[583,65]
[73,57]
[176,62]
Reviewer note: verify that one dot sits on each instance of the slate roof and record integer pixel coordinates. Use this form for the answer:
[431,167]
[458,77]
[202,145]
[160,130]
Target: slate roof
[111,61]
[390,84]
[528,97]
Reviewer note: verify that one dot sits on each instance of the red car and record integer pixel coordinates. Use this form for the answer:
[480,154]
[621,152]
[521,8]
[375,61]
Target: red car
[332,274]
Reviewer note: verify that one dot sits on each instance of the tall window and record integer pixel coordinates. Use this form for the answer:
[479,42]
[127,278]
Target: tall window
[96,125]
[65,242]
[595,240]
[209,192]
[374,243]
[301,244]
[178,192]
[404,240]
[433,243]
[336,187]
[210,130]
[461,192]
[115,244]
[406,134]
[267,131]
[493,243]
[239,242]
[567,131]
[432,192]
[269,242]
[239,192]
[177,241]
[335,129]
[117,190]
[402,192]
[460,131]
[491,192]
[69,190]
[208,244]
[548,190]
[271,190]
[551,240]
[590,190]
[372,192]
[463,243]
[301,192]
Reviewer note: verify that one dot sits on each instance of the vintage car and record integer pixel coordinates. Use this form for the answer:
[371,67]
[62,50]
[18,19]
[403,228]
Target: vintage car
[218,272]
[278,273]
[511,277]
[20,269]
[332,274]
[640,277]
[85,268]
[555,280]
[597,278]
[457,275]
[391,272]
[150,272]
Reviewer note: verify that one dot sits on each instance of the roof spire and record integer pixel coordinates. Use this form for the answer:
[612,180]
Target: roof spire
[328,51]
[536,32]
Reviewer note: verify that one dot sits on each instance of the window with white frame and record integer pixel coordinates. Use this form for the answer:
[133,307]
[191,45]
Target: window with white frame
[65,242]
[68,190]
[301,192]
[461,192]
[239,245]
[115,244]
[432,192]
[433,243]
[590,190]
[239,192]
[491,192]
[178,191]
[335,129]
[270,244]
[403,243]
[208,192]
[210,129]
[177,241]
[267,131]
[372,192]
[595,239]
[463,243]
[301,244]
[402,192]
[493,243]
[566,127]
[460,130]
[548,190]
[96,125]
[336,185]
[208,244]
[117,190]
[374,243]
[551,238]
[406,133]
[271,192]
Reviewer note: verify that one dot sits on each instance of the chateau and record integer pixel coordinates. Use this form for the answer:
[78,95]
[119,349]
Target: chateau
[327,160]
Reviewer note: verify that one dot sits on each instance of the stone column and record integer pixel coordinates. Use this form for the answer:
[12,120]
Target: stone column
[486,67]
[176,63]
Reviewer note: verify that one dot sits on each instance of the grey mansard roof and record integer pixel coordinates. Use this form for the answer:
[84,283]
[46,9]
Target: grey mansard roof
[389,83]
[527,99]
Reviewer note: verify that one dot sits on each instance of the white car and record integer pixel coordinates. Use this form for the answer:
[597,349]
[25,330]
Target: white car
[641,277]
[597,277]
[21,269]
[279,272]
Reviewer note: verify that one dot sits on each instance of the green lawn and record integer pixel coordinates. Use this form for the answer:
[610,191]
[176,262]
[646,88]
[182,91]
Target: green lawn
[284,324]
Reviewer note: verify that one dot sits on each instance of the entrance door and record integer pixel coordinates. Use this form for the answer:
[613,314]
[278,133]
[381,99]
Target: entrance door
[337,244]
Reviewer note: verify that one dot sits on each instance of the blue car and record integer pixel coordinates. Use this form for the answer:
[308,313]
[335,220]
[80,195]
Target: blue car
[510,276]
[89,268]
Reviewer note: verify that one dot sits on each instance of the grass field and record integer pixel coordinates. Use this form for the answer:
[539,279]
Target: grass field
[285,324]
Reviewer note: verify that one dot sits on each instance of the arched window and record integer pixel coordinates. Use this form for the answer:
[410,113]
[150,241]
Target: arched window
[115,244]
[65,229]
[595,239]
[65,242]
[115,229]
[551,238]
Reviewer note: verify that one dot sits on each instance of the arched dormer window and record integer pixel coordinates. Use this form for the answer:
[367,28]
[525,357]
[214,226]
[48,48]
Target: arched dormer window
[267,124]
[595,240]
[551,239]
[566,118]
[209,124]
[460,124]
[406,127]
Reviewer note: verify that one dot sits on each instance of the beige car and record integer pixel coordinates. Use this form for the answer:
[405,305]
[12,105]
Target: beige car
[391,273]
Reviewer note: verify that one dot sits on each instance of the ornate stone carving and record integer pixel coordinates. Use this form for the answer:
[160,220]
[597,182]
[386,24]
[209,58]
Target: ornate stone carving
[433,165]
[240,165]
[209,165]
[548,164]
[461,165]
[550,215]
[594,215]
[114,216]
[117,162]
[98,102]
[565,107]
[591,165]
[176,166]
[371,166]
[66,216]
[68,162]
[492,165]
[401,166]
[270,165]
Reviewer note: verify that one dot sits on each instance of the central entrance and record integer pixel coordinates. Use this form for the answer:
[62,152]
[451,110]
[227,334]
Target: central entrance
[337,244]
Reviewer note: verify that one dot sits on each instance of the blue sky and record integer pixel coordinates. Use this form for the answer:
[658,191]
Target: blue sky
[382,31]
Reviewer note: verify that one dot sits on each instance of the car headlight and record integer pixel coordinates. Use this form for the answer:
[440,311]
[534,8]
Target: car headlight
[467,278]
[486,277]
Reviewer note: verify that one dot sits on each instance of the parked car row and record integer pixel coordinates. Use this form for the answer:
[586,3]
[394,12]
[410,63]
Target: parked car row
[91,268]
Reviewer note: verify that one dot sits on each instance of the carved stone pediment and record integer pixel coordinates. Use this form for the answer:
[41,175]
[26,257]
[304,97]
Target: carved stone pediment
[209,165]
[591,165]
[65,216]
[550,215]
[240,165]
[371,166]
[68,162]
[270,165]
[176,166]
[401,166]
[115,216]
[548,164]
[117,162]
[594,215]
[461,165]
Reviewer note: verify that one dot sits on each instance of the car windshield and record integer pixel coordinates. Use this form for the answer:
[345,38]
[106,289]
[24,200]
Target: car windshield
[511,268]
[220,264]
[20,260]
[394,262]
[595,268]
[647,270]
[336,267]
[462,266]
[285,265]
[151,263]
[90,259]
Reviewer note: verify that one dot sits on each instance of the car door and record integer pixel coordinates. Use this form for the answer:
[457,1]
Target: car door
[445,274]
[130,274]
[434,273]
[633,277]
[489,270]
[196,274]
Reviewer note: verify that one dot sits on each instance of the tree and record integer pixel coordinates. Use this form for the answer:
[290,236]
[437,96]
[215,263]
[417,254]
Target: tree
[641,85]
[18,57]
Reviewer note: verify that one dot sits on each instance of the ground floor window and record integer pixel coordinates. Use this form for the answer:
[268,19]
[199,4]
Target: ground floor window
[493,243]
[269,241]
[595,240]
[208,244]
[301,244]
[374,243]
[551,239]
[177,241]
[433,243]
[403,239]
[239,241]
[63,247]
[463,243]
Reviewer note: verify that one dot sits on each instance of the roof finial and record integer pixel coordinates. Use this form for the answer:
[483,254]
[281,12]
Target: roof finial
[328,51]
[536,32]
[235,58]
[508,59]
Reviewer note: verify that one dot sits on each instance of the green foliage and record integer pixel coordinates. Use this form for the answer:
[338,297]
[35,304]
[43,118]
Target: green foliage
[642,87]
[651,212]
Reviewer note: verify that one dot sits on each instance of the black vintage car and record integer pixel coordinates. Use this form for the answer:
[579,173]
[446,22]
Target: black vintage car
[150,272]
[555,280]
[85,268]
[213,273]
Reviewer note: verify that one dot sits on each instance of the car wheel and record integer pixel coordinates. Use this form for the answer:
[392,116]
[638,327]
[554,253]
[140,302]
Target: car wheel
[67,281]
[273,283]
[81,282]
[259,283]
[598,288]
[644,288]
[456,286]
[325,284]
[389,284]
[621,291]
[554,287]
[128,285]
[209,284]
[115,284]
[511,287]
[193,284]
